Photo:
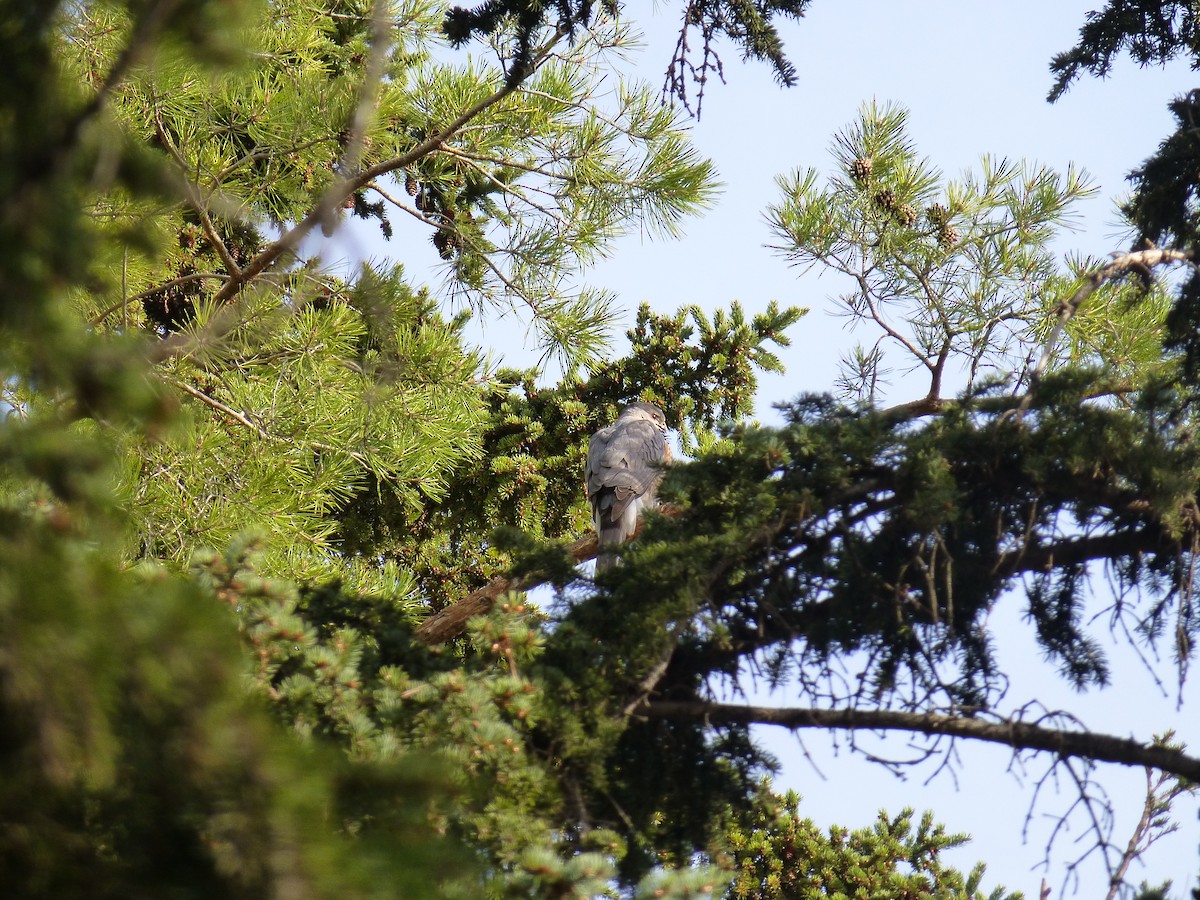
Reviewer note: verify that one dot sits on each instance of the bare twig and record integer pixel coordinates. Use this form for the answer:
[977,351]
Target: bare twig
[1154,824]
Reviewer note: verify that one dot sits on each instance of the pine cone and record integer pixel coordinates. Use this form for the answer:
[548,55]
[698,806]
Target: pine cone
[886,199]
[860,169]
[948,237]
[446,242]
[906,215]
[937,215]
[411,185]
[189,237]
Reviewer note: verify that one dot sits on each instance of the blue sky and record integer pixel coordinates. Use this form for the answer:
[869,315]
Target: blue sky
[974,77]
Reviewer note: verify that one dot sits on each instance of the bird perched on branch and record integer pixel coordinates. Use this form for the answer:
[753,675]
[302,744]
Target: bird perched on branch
[623,471]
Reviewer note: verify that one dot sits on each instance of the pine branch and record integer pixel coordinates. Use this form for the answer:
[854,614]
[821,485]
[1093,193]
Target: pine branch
[1018,735]
[938,406]
[51,160]
[99,318]
[1139,260]
[245,421]
[194,200]
[342,188]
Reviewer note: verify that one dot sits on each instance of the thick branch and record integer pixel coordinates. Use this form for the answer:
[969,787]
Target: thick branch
[449,623]
[937,406]
[1018,735]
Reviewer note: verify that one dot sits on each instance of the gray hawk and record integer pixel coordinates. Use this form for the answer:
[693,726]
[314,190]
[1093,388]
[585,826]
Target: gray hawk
[623,473]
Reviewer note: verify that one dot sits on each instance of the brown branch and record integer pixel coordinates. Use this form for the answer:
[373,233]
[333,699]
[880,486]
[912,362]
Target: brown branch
[99,318]
[1018,735]
[1080,550]
[937,406]
[449,623]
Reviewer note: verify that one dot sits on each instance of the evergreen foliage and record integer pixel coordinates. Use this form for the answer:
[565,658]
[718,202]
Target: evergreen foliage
[785,856]
[535,441]
[1162,207]
[232,483]
[750,26]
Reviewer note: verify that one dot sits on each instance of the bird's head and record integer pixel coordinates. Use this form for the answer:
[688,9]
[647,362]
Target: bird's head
[647,411]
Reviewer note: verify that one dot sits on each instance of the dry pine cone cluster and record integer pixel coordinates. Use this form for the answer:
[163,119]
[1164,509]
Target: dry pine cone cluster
[445,239]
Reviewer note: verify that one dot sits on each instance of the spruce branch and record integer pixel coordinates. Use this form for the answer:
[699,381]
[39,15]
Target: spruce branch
[1012,733]
[450,622]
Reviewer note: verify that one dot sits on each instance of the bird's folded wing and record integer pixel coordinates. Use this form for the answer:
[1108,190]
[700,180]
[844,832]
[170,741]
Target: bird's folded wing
[623,458]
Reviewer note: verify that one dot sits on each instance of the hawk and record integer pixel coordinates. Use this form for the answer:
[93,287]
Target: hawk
[623,474]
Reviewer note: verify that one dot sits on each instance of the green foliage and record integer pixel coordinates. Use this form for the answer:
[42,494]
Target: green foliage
[1162,207]
[538,185]
[231,482]
[956,277]
[862,531]
[1153,31]
[281,392]
[369,385]
[784,857]
[143,770]
[700,371]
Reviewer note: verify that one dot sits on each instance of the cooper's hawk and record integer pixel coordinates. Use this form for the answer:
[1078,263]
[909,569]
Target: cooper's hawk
[623,474]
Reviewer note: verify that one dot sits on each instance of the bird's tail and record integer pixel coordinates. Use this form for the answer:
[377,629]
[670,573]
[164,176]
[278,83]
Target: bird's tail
[610,534]
[606,561]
